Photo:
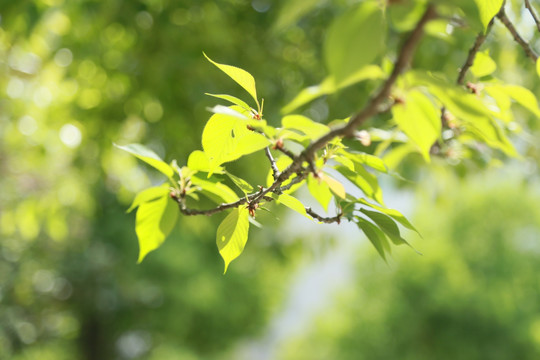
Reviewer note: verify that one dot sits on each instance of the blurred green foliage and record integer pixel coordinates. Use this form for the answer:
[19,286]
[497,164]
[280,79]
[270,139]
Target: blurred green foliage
[474,294]
[78,75]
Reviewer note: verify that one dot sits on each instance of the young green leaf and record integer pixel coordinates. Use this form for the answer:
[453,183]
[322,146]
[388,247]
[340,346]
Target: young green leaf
[418,118]
[365,181]
[227,138]
[320,191]
[149,194]
[354,40]
[154,221]
[232,235]
[291,202]
[232,99]
[488,9]
[222,193]
[386,224]
[148,156]
[242,77]
[305,125]
[375,236]
[241,183]
[334,185]
[396,215]
[483,64]
[198,161]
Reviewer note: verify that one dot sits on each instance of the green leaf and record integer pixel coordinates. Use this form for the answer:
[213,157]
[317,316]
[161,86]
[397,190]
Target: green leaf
[154,221]
[372,161]
[223,193]
[198,161]
[148,156]
[375,236]
[241,183]
[386,224]
[232,99]
[242,77]
[320,191]
[488,9]
[328,86]
[396,215]
[538,67]
[232,235]
[291,11]
[226,138]
[312,129]
[149,194]
[483,65]
[354,40]
[334,185]
[418,118]
[365,181]
[522,96]
[291,202]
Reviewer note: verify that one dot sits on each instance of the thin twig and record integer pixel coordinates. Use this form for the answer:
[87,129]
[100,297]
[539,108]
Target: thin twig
[533,14]
[287,152]
[525,45]
[326,220]
[480,38]
[275,170]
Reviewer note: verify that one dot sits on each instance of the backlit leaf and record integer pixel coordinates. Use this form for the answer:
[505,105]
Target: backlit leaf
[242,77]
[241,183]
[231,99]
[305,125]
[223,193]
[354,40]
[149,194]
[483,64]
[334,185]
[488,9]
[292,203]
[148,156]
[320,191]
[396,215]
[154,221]
[232,235]
[418,118]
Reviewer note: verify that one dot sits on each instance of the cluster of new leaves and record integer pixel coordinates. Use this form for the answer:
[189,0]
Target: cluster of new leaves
[427,112]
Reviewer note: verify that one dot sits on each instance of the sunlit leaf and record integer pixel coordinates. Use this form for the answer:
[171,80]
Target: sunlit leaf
[483,64]
[154,221]
[292,203]
[329,86]
[198,161]
[242,77]
[149,194]
[334,185]
[488,9]
[148,156]
[241,183]
[320,191]
[364,180]
[375,236]
[232,235]
[227,138]
[354,40]
[232,99]
[223,192]
[305,125]
[387,225]
[372,161]
[418,118]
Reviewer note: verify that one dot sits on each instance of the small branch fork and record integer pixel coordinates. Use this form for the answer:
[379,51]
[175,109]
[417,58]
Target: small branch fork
[480,38]
[533,14]
[378,104]
[524,44]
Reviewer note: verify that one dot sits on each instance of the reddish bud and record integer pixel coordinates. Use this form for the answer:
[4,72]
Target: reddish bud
[278,144]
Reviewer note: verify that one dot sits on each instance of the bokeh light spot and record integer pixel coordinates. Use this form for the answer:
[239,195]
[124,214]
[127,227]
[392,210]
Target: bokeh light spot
[27,125]
[15,88]
[70,135]
[144,20]
[153,111]
[63,57]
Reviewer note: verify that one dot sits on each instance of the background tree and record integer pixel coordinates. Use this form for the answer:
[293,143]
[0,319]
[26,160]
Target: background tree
[80,75]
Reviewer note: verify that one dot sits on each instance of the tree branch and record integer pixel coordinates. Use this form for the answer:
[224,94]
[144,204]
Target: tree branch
[275,171]
[326,220]
[533,14]
[374,107]
[525,45]
[480,38]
